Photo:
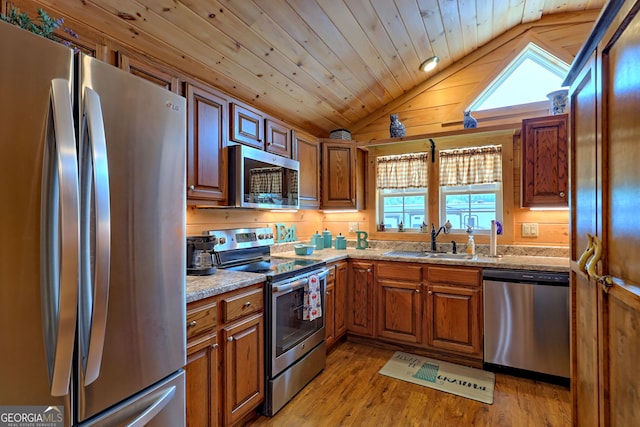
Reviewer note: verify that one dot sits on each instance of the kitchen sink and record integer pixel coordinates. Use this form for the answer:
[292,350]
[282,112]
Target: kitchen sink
[449,256]
[410,254]
[423,254]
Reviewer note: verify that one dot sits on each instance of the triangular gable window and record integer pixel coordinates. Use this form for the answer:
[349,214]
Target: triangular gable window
[528,78]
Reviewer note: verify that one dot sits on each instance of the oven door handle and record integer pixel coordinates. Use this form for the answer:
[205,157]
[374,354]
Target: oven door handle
[290,286]
[295,284]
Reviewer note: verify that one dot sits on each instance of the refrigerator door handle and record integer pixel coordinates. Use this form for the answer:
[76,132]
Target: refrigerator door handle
[96,231]
[157,406]
[59,222]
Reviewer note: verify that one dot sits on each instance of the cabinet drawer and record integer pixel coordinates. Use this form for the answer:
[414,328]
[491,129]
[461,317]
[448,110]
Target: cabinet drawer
[202,319]
[455,275]
[331,277]
[235,307]
[399,270]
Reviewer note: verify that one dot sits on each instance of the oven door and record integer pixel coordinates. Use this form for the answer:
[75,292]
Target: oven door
[292,336]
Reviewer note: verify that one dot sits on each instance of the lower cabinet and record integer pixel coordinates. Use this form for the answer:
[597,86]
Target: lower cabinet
[225,357]
[335,305]
[454,315]
[360,298]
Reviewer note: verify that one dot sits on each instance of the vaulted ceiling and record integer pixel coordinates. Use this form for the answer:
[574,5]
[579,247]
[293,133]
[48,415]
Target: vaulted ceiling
[320,64]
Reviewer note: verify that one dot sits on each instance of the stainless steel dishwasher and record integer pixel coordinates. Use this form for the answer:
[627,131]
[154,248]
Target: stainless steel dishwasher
[526,321]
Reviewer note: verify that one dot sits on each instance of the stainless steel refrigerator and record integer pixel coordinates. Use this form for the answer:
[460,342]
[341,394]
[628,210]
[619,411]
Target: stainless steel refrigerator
[92,244]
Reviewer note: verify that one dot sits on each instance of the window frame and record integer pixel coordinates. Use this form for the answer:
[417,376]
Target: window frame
[380,196]
[466,190]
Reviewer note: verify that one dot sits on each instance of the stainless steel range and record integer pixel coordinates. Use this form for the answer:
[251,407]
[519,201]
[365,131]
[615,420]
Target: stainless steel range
[295,324]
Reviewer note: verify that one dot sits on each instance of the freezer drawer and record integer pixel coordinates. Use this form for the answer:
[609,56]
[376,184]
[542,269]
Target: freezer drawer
[161,405]
[526,326]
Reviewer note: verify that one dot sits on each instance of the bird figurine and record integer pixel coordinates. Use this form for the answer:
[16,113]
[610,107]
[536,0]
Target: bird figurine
[469,121]
[396,128]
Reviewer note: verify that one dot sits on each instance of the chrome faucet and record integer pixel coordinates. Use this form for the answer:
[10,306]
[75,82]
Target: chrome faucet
[434,233]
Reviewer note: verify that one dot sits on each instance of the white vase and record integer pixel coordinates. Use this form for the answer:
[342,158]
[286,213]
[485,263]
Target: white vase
[559,101]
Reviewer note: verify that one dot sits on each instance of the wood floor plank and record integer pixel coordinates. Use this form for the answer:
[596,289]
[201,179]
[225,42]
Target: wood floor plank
[350,392]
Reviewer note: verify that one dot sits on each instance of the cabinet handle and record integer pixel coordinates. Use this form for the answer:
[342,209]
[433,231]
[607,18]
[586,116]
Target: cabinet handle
[192,187]
[214,346]
[430,293]
[368,270]
[417,291]
[192,324]
[562,194]
[582,261]
[230,339]
[597,253]
[247,304]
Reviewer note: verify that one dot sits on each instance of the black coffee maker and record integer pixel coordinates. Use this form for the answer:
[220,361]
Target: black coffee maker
[202,259]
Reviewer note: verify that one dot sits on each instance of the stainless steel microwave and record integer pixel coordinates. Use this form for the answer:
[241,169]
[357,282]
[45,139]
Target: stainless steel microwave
[262,180]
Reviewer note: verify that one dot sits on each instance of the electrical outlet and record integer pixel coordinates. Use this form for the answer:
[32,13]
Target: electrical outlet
[353,227]
[529,229]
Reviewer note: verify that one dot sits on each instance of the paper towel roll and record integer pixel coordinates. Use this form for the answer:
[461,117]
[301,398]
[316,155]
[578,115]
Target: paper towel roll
[493,239]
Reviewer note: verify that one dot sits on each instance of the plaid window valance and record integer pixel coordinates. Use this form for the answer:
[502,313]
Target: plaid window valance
[402,171]
[474,165]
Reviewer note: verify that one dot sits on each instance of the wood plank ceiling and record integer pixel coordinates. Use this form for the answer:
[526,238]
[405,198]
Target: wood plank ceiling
[320,64]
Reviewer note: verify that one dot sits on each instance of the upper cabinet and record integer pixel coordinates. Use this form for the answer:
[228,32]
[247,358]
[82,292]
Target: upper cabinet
[151,72]
[342,175]
[247,125]
[306,150]
[544,162]
[277,137]
[207,125]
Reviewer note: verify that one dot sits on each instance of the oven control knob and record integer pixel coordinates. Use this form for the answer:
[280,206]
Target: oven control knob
[260,236]
[222,240]
[271,235]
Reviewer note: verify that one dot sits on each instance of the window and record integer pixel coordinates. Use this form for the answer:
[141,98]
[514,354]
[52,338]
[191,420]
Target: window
[471,187]
[528,78]
[402,190]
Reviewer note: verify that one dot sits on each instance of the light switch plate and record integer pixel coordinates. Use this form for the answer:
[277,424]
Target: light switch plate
[353,227]
[529,229]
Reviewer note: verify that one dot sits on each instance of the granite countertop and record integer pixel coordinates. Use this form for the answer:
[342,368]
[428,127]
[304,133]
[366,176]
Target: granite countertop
[200,287]
[524,262]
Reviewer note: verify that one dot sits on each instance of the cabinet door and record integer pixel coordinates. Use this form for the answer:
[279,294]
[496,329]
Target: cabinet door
[399,310]
[306,150]
[399,299]
[203,408]
[584,293]
[329,313]
[277,138]
[247,126]
[454,321]
[243,368]
[150,72]
[544,161]
[340,298]
[206,153]
[338,175]
[360,299]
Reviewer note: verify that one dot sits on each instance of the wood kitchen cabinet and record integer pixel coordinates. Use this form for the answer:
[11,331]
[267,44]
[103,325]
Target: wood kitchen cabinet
[399,300]
[247,125]
[202,369]
[225,357]
[339,175]
[335,306]
[207,122]
[453,312]
[545,162]
[306,150]
[605,235]
[360,298]
[153,73]
[278,137]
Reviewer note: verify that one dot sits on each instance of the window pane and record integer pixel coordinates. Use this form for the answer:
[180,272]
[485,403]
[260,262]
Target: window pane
[409,209]
[474,209]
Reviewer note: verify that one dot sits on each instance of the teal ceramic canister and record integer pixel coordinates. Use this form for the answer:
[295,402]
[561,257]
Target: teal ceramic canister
[318,241]
[340,242]
[326,236]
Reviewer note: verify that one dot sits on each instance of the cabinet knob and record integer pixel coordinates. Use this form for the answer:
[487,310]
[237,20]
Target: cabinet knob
[417,291]
[192,187]
[368,270]
[247,304]
[562,194]
[192,324]
[430,293]
[214,346]
[230,339]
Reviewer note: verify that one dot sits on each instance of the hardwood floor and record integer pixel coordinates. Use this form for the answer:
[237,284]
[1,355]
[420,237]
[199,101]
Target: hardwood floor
[350,392]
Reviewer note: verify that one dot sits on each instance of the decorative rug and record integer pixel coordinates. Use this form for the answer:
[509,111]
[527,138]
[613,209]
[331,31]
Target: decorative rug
[460,380]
